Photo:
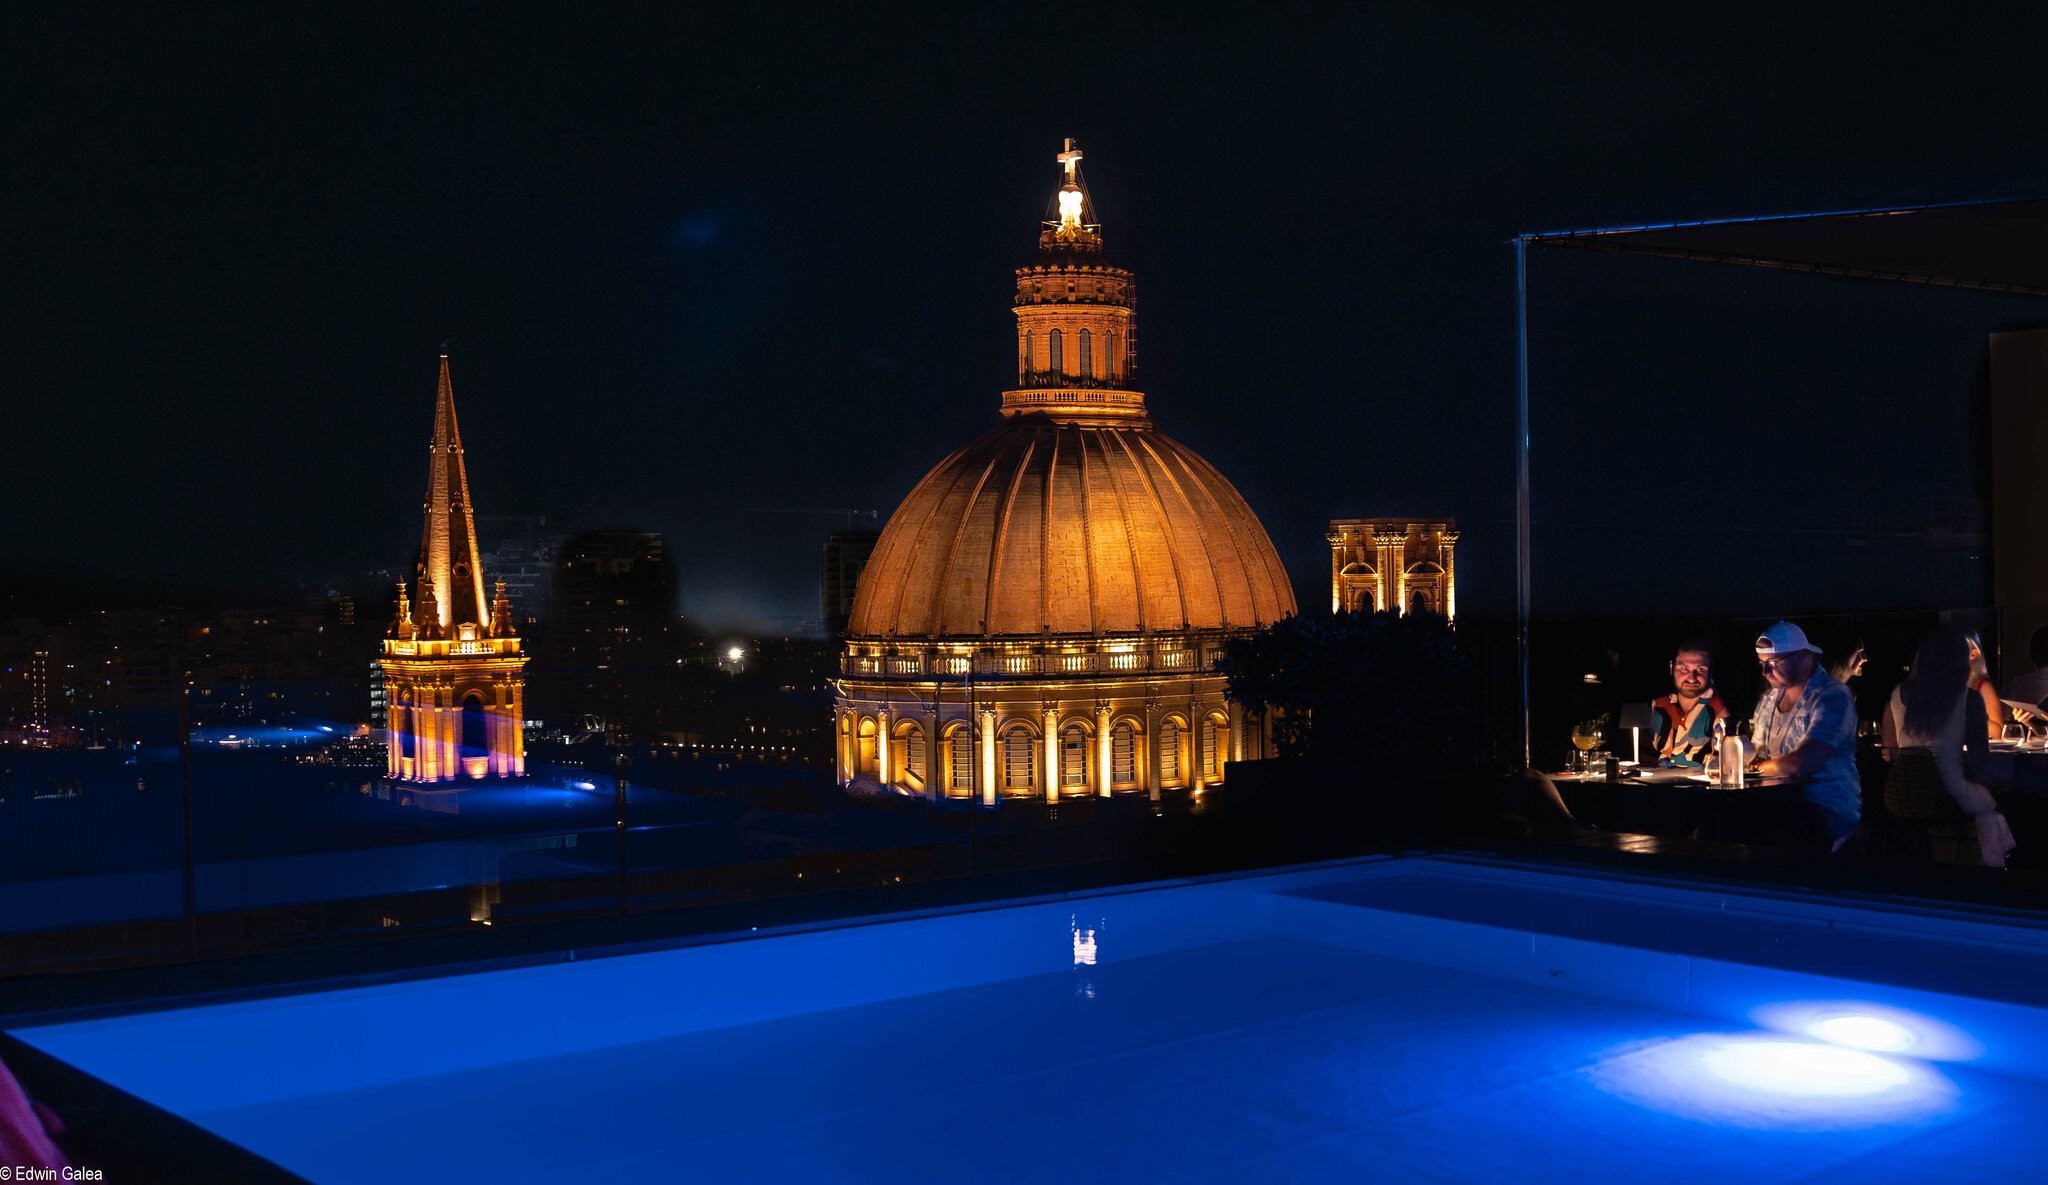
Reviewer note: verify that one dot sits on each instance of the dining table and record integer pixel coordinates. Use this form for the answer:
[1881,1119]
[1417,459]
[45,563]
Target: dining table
[2017,766]
[1684,803]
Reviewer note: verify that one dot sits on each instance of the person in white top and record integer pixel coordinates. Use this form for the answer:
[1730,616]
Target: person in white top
[1935,709]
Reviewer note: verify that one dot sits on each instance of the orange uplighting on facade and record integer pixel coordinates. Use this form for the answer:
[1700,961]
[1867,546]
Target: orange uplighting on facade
[1391,563]
[1042,615]
[453,670]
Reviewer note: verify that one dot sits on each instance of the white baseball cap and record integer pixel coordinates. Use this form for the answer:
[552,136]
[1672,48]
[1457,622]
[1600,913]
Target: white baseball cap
[1784,638]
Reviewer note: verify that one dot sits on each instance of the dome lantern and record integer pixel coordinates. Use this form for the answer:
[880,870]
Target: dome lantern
[1076,318]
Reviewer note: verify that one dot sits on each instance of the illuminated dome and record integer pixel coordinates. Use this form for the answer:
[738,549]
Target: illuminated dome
[1043,615]
[1049,525]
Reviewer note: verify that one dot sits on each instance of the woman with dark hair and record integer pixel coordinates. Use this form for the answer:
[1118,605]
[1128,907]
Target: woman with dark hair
[1937,709]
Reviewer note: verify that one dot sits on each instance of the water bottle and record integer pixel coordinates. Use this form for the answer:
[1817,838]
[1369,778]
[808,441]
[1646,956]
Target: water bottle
[1720,751]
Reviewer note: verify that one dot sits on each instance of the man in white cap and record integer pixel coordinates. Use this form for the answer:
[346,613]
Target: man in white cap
[1805,727]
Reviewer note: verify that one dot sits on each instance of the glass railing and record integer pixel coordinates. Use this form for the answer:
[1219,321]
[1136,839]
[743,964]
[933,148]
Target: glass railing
[159,847]
[289,849]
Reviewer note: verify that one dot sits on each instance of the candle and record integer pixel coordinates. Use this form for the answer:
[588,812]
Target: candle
[1635,738]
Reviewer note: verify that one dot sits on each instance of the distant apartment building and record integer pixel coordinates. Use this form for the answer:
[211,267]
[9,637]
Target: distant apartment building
[839,568]
[613,631]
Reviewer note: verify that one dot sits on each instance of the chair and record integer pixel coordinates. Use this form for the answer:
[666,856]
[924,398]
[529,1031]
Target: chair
[1920,806]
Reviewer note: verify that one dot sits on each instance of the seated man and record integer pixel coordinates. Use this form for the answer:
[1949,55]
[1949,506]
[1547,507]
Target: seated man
[1685,718]
[1805,727]
[2032,688]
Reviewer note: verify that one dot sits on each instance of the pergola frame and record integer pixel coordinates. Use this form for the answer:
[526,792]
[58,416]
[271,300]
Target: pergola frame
[1997,245]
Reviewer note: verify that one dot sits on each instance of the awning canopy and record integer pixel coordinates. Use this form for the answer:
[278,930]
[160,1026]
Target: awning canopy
[1992,246]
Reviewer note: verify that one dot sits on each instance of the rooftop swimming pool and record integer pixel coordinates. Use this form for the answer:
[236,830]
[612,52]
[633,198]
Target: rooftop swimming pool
[1414,1019]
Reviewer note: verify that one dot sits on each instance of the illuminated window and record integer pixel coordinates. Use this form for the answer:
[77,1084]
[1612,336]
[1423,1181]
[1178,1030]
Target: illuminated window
[1112,366]
[1209,748]
[913,752]
[865,756]
[1074,747]
[1123,753]
[1086,357]
[1169,753]
[1024,367]
[960,763]
[1017,760]
[1053,344]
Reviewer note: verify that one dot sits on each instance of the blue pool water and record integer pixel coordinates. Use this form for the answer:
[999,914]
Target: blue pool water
[1366,1022]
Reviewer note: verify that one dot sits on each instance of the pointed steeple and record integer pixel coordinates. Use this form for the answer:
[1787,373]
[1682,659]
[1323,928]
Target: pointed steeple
[429,619]
[401,625]
[450,571]
[501,614]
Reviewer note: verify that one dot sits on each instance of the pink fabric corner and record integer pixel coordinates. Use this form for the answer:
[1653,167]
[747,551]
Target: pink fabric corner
[26,1128]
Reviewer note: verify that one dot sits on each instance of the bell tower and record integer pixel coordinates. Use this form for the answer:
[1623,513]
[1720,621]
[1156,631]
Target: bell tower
[454,675]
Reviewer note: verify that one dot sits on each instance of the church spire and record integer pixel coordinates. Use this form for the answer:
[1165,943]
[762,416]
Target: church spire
[450,571]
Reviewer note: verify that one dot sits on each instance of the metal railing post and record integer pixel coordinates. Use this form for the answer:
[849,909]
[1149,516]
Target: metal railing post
[1522,551]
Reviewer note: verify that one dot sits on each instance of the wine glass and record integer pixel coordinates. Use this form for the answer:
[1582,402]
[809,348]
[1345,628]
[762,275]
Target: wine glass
[1586,737]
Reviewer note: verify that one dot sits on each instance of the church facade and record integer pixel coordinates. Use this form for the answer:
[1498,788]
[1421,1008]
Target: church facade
[454,674]
[1404,565]
[1041,616]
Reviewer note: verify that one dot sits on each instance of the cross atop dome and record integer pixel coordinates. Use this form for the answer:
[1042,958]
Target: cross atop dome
[1070,224]
[1070,158]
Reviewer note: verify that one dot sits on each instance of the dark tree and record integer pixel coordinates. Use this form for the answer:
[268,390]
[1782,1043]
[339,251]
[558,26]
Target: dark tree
[1378,692]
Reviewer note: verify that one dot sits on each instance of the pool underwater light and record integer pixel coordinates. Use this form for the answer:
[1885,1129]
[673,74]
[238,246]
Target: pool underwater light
[1773,1081]
[1868,1025]
[1873,1033]
[1796,1068]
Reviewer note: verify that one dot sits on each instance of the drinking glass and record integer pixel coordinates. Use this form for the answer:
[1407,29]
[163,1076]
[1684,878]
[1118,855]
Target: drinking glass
[1585,738]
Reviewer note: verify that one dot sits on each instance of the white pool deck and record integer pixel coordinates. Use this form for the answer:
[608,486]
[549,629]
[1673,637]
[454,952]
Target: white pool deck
[1410,1019]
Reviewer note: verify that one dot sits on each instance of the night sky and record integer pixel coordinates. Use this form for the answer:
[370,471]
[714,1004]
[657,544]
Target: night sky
[715,273]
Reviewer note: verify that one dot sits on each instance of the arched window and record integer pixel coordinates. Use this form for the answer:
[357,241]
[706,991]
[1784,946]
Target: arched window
[960,761]
[1112,366]
[1024,364]
[1123,754]
[864,759]
[406,740]
[913,752]
[1017,759]
[1169,753]
[475,736]
[1086,357]
[1052,340]
[1211,759]
[1074,753]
